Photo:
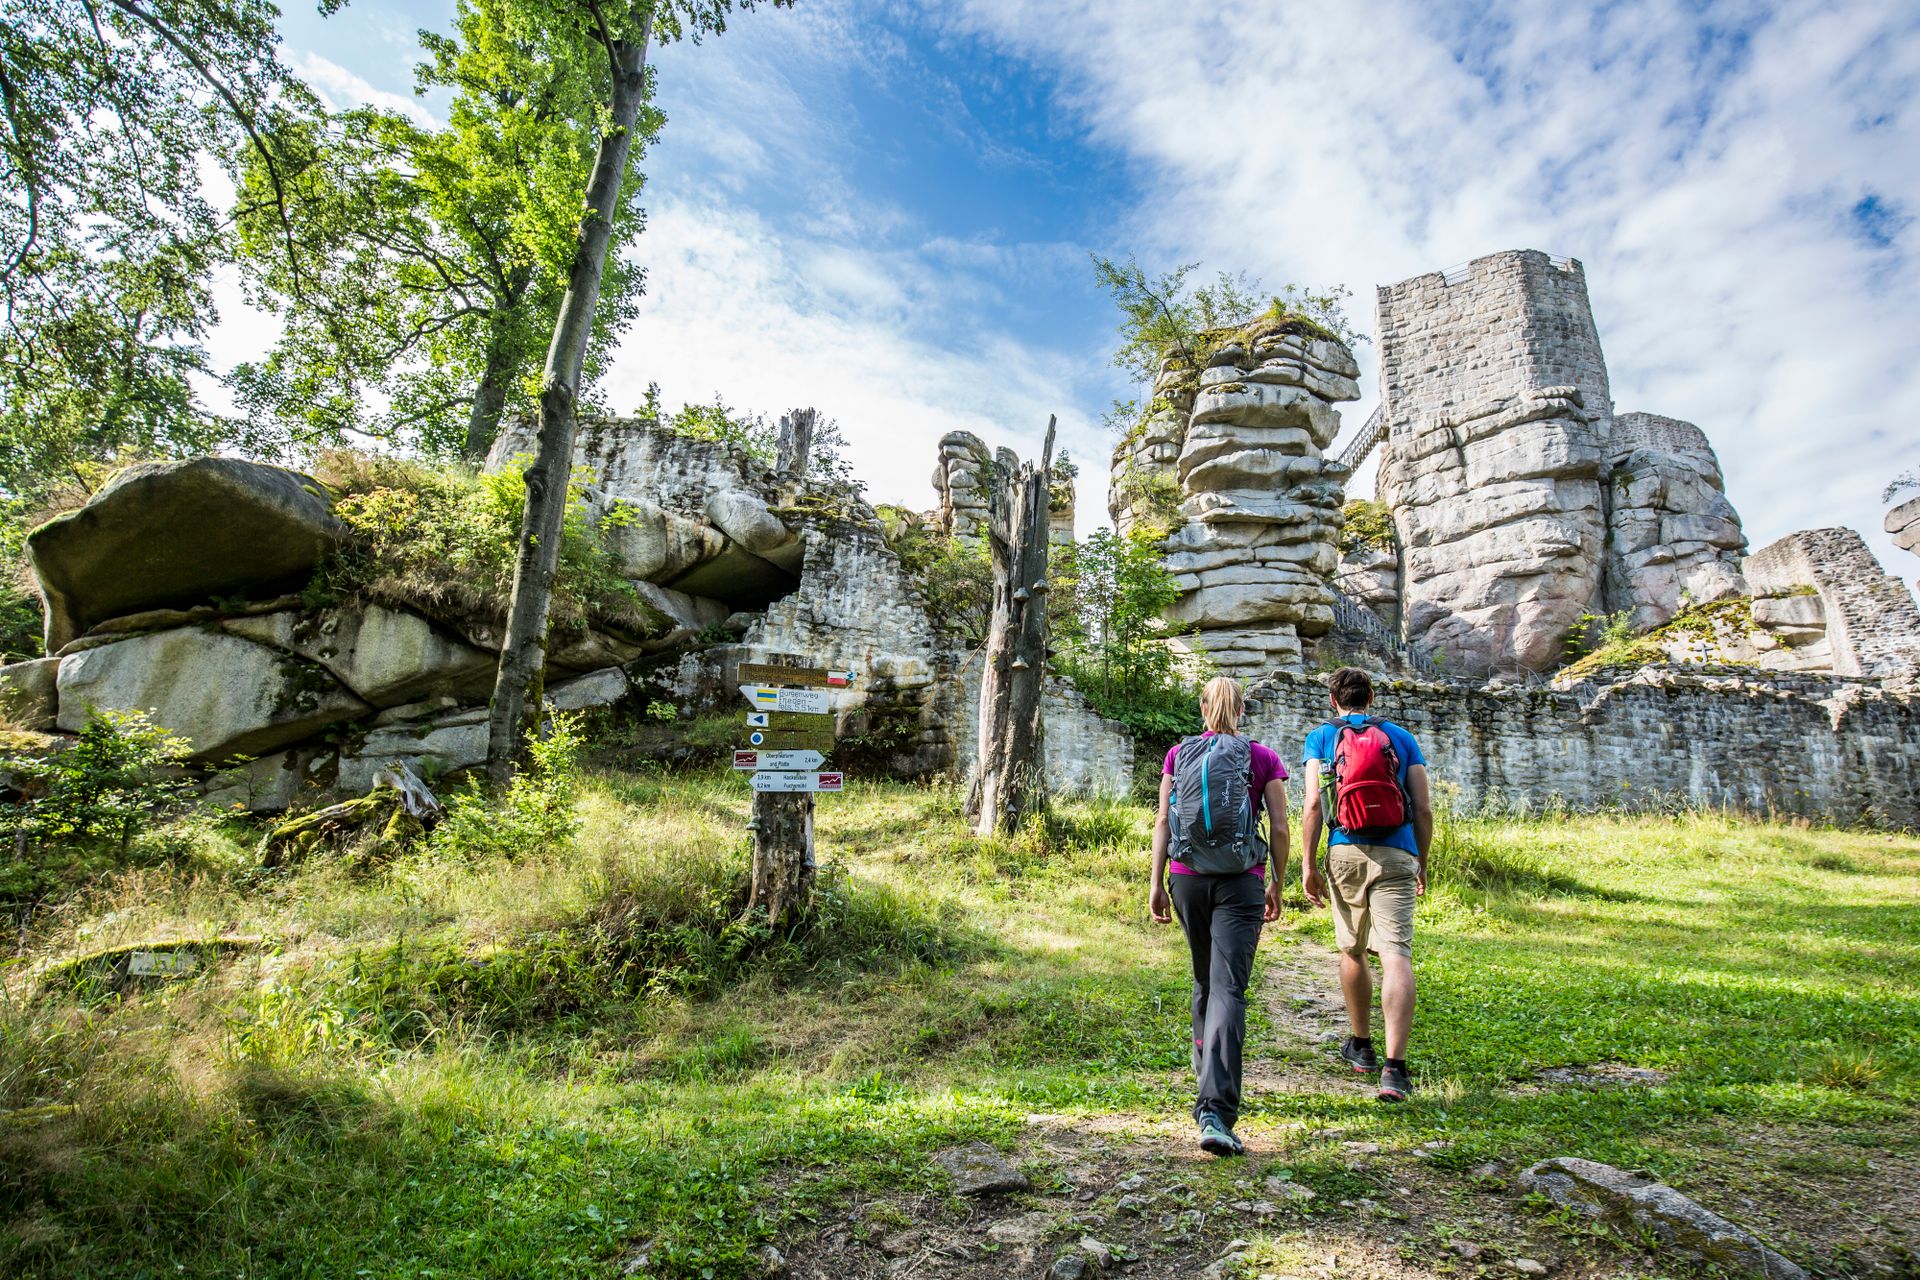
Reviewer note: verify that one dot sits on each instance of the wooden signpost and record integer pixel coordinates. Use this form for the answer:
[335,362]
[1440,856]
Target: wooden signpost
[789,734]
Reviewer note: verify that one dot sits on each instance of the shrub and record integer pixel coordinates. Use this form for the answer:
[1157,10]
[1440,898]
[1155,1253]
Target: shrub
[535,816]
[96,794]
[1368,525]
[443,540]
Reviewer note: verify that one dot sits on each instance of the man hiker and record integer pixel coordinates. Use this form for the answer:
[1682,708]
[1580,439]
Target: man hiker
[1367,782]
[1212,791]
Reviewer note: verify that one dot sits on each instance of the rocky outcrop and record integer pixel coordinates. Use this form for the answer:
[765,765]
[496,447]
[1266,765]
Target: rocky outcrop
[225,695]
[1501,526]
[1642,1204]
[1903,522]
[699,517]
[30,693]
[176,534]
[1261,501]
[1870,622]
[1672,536]
[960,479]
[1144,490]
[386,656]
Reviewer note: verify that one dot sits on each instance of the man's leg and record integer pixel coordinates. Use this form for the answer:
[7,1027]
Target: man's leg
[1356,983]
[1237,919]
[1396,1002]
[1193,907]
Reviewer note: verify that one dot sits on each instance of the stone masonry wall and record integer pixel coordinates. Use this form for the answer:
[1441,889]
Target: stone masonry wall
[1825,749]
[1086,753]
[1873,626]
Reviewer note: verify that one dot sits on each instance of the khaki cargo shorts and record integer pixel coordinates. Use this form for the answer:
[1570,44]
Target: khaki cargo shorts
[1372,891]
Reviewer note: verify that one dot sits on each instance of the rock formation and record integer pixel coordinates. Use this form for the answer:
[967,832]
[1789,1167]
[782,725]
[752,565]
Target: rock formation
[1144,492]
[960,478]
[177,534]
[1496,406]
[1261,502]
[1672,536]
[1903,522]
[1833,608]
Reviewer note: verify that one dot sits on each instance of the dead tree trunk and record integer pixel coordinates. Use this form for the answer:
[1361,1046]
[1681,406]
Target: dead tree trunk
[793,448]
[782,856]
[523,656]
[1007,782]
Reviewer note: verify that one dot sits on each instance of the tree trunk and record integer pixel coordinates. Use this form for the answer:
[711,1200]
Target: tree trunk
[793,450]
[523,657]
[782,856]
[1007,782]
[490,395]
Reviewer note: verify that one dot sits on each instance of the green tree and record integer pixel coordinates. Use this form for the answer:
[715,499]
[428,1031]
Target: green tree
[107,245]
[1114,641]
[431,262]
[584,30]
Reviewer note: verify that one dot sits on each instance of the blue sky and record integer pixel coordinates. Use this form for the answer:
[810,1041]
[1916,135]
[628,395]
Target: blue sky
[885,209]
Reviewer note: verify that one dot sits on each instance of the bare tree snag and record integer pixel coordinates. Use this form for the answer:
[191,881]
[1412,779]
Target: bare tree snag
[793,447]
[1007,782]
[782,856]
[515,715]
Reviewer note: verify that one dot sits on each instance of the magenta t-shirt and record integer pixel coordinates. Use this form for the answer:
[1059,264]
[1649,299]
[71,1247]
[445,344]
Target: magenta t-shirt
[1266,767]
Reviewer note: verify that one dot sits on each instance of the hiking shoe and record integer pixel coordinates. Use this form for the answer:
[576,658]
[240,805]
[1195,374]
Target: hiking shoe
[1217,1138]
[1394,1085]
[1358,1054]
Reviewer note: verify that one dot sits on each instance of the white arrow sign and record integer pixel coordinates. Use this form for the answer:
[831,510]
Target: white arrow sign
[764,697]
[797,781]
[778,759]
[756,719]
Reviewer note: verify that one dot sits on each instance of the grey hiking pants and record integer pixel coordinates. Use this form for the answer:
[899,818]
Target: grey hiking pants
[1221,916]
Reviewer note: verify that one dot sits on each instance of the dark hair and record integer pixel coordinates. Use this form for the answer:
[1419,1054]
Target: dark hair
[1351,689]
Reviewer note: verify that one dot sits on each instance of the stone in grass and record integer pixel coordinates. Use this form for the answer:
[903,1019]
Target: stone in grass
[978,1170]
[1101,1255]
[1528,1266]
[1679,1223]
[1069,1266]
[1023,1232]
[1132,1206]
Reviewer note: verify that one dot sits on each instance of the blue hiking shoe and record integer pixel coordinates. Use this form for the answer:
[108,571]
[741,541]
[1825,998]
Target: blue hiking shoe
[1217,1138]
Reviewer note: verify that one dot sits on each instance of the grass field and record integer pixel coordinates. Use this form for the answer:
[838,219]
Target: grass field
[543,1067]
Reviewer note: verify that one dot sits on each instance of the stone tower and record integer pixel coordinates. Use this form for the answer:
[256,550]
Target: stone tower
[1496,413]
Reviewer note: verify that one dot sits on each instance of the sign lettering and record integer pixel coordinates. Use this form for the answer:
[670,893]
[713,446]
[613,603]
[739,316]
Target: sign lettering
[779,760]
[809,677]
[771,781]
[770,698]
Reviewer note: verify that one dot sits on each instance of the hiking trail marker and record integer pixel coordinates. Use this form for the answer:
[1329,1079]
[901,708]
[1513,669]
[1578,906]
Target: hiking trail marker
[764,697]
[789,731]
[783,760]
[768,780]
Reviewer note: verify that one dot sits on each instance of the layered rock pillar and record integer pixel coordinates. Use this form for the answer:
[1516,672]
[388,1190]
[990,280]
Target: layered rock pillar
[1260,500]
[1497,410]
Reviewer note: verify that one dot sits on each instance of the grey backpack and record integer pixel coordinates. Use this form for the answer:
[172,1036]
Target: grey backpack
[1212,805]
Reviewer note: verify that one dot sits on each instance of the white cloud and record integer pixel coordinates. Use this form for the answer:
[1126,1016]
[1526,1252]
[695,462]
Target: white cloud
[341,90]
[1703,166]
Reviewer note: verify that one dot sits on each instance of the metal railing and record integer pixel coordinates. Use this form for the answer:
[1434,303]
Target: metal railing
[1363,444]
[1350,615]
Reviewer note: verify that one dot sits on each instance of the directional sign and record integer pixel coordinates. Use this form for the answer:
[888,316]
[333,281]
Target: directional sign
[790,739]
[769,698]
[789,720]
[798,781]
[783,760]
[810,677]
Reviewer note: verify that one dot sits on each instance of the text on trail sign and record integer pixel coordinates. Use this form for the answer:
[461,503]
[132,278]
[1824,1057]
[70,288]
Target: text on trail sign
[770,781]
[781,760]
[768,698]
[790,739]
[810,677]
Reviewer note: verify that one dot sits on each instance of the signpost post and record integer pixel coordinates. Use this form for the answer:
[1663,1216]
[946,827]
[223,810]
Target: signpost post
[789,734]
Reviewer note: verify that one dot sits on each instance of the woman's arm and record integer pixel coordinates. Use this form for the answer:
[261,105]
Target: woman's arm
[1278,840]
[1159,905]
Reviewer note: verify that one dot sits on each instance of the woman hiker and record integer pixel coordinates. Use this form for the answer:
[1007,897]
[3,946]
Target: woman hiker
[1212,791]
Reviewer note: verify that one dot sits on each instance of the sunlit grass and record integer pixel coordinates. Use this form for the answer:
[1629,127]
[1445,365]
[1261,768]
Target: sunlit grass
[531,1067]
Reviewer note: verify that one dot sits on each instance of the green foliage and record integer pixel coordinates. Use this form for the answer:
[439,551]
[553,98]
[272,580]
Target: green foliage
[1163,317]
[1060,482]
[107,245]
[1367,524]
[535,817]
[1609,641]
[21,621]
[120,774]
[441,539]
[1155,498]
[750,432]
[1111,597]
[954,575]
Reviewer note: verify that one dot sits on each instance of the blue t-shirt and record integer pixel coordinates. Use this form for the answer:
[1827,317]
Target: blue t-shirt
[1320,747]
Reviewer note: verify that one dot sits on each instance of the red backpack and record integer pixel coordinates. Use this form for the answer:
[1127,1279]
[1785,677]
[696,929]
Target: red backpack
[1367,796]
